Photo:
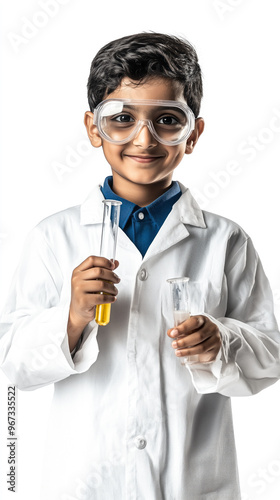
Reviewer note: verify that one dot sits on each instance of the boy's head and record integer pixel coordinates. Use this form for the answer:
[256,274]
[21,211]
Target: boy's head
[144,93]
[140,57]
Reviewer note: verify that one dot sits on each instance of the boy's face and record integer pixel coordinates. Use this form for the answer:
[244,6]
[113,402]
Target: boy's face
[144,160]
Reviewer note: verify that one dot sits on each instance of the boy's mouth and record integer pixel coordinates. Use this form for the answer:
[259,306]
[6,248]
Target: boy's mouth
[144,158]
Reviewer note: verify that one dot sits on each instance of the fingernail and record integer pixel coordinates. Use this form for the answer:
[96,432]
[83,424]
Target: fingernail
[174,344]
[174,333]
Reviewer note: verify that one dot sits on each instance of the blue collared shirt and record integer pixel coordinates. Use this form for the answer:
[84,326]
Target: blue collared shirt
[141,224]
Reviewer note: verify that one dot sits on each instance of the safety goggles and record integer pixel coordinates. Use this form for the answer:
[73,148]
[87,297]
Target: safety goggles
[120,120]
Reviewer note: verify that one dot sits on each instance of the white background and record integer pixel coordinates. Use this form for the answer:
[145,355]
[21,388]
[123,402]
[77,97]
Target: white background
[47,163]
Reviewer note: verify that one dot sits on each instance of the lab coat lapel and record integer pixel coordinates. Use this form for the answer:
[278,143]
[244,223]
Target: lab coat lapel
[92,208]
[91,212]
[185,212]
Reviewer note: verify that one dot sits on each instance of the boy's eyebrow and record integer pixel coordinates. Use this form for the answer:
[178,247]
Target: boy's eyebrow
[130,106]
[159,108]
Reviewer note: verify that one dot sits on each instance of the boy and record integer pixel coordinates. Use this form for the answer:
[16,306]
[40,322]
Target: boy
[128,420]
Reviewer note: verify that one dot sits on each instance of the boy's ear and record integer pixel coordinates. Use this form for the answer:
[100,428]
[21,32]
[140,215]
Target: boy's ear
[92,130]
[196,133]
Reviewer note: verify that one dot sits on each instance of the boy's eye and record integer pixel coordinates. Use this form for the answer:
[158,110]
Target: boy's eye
[123,118]
[168,120]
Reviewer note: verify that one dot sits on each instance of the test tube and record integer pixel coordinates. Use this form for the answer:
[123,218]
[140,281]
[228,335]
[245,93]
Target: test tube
[110,224]
[181,312]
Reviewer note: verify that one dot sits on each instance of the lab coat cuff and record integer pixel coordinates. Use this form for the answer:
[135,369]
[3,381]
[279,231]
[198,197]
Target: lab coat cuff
[86,351]
[225,339]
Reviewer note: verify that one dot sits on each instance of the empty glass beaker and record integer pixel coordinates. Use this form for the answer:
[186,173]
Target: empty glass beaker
[181,310]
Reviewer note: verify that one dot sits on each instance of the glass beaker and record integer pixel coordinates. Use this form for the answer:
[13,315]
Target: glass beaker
[110,224]
[181,311]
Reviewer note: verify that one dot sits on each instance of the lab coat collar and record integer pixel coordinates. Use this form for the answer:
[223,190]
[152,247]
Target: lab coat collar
[186,209]
[185,212]
[92,208]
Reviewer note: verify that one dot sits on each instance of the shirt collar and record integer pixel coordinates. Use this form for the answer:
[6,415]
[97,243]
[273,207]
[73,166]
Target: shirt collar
[157,210]
[186,207]
[160,208]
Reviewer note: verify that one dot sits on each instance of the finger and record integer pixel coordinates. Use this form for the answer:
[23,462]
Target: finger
[98,286]
[92,300]
[207,331]
[93,261]
[211,344]
[115,263]
[189,341]
[192,324]
[100,273]
[188,326]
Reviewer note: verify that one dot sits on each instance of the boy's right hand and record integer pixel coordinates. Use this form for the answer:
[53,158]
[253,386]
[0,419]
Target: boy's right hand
[93,276]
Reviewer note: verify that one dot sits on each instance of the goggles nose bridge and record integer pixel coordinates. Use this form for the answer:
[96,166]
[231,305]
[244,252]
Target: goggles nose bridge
[145,122]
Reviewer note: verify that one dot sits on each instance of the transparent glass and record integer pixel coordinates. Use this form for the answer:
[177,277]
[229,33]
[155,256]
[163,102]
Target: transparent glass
[120,120]
[108,243]
[181,311]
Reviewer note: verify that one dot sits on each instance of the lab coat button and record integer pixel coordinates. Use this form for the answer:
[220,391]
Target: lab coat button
[143,275]
[140,442]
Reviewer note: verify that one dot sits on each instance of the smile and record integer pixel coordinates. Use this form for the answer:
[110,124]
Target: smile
[143,158]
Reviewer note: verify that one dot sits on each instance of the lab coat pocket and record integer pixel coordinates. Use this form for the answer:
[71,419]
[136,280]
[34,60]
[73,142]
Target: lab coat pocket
[203,297]
[208,297]
[196,300]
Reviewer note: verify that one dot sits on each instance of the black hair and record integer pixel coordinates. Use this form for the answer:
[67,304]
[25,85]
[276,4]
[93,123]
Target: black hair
[142,56]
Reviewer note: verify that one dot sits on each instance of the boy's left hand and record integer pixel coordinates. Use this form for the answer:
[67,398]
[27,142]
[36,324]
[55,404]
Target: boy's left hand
[196,335]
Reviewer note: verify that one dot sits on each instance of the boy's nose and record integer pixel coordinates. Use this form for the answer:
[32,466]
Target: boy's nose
[144,137]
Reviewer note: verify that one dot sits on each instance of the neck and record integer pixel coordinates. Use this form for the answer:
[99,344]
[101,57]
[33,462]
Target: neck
[140,194]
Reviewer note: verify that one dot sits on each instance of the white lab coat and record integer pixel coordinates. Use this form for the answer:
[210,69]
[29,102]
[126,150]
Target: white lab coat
[128,421]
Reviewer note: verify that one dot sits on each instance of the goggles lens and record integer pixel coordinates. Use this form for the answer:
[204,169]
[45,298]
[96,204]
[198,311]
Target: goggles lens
[119,121]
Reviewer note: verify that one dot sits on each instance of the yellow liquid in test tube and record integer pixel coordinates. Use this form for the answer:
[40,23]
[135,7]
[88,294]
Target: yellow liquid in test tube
[110,224]
[102,314]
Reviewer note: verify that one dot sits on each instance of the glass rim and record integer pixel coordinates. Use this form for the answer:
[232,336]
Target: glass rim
[183,279]
[112,202]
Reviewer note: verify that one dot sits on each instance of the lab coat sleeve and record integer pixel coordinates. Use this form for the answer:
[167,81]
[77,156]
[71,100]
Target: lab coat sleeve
[249,359]
[34,349]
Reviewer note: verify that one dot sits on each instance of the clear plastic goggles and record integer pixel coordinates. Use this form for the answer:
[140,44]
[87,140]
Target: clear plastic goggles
[120,120]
